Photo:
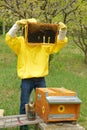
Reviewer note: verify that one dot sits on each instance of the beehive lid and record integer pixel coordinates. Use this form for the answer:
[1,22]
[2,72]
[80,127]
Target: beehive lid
[63,100]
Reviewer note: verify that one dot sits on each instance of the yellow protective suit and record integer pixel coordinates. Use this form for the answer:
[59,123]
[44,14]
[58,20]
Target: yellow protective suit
[33,61]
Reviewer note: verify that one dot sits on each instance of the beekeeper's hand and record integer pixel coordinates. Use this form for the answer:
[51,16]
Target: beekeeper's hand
[21,22]
[62,26]
[62,31]
[24,21]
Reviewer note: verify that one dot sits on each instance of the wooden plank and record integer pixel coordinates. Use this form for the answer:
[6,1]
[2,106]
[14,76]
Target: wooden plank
[58,126]
[17,120]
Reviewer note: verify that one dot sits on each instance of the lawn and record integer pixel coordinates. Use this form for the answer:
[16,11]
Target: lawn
[67,69]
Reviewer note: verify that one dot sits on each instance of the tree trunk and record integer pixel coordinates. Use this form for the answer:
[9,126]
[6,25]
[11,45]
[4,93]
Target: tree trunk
[85,57]
[3,28]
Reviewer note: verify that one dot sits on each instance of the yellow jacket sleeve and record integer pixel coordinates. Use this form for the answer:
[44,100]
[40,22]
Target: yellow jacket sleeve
[14,43]
[58,46]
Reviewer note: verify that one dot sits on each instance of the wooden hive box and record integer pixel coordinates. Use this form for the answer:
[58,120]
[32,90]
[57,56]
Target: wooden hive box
[41,33]
[57,104]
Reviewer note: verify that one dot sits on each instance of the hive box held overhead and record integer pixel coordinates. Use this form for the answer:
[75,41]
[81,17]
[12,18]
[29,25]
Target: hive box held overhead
[57,104]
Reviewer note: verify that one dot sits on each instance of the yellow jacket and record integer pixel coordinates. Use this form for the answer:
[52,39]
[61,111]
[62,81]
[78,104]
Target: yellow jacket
[32,60]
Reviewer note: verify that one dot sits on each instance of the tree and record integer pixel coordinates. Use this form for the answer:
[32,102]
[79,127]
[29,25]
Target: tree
[45,10]
[17,9]
[79,28]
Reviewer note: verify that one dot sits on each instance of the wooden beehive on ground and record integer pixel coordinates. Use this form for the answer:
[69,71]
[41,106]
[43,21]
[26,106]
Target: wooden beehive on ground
[41,33]
[57,104]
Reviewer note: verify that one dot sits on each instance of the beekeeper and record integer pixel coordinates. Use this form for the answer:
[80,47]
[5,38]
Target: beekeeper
[33,61]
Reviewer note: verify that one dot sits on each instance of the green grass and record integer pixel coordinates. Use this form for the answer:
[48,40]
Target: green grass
[67,69]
